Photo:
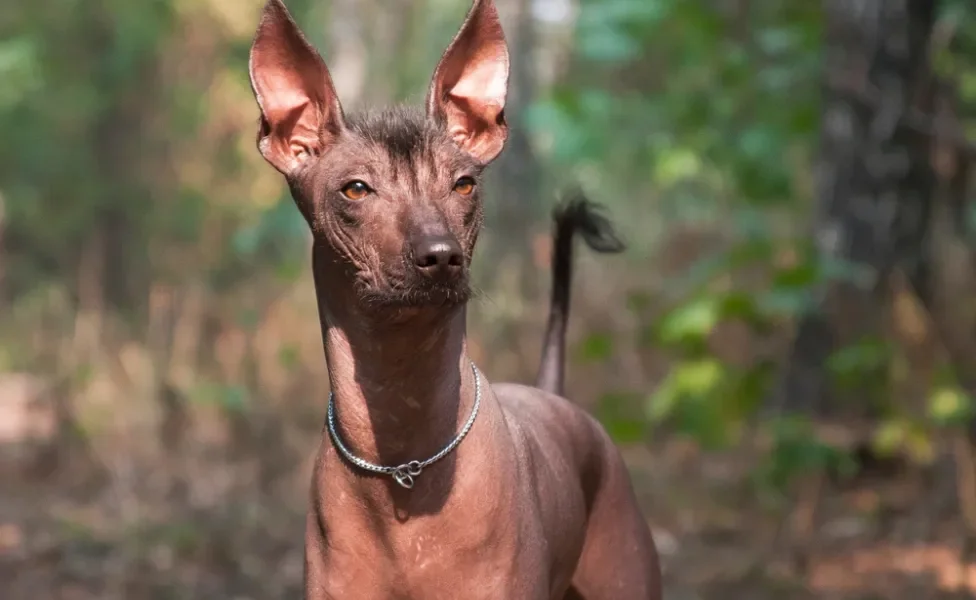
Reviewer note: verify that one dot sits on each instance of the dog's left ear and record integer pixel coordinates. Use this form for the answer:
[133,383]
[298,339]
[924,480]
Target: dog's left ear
[470,83]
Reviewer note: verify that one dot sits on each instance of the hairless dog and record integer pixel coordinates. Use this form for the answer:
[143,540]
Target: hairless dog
[430,483]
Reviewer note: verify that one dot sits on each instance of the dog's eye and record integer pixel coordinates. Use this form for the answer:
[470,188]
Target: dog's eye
[355,190]
[464,186]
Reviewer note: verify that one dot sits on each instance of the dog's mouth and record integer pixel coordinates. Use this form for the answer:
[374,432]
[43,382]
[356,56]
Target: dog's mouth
[419,294]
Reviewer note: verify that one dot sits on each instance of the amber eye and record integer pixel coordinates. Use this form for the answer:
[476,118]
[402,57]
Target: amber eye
[355,190]
[464,186]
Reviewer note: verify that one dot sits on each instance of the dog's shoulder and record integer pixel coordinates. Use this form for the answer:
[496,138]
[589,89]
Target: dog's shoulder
[521,398]
[549,416]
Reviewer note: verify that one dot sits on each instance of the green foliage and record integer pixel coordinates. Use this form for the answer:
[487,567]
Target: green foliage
[96,117]
[19,71]
[695,146]
[694,140]
[911,436]
[714,113]
[950,406]
[680,114]
[797,451]
[230,398]
[691,398]
[849,364]
[616,410]
[596,347]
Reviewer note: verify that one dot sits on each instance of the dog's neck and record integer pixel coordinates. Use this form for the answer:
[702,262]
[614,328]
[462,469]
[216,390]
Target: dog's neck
[399,395]
[402,389]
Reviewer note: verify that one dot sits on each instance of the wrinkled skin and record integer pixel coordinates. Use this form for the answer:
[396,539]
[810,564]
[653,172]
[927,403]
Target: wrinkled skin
[412,168]
[535,503]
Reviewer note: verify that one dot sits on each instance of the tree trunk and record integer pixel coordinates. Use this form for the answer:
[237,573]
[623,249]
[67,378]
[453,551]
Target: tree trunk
[875,183]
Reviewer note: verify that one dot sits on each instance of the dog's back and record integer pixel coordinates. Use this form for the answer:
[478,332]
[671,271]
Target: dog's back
[573,461]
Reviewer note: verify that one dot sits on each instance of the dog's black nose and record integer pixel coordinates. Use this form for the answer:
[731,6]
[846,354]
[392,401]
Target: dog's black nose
[438,255]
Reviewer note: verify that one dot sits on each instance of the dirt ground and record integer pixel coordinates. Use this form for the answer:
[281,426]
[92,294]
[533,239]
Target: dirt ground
[217,525]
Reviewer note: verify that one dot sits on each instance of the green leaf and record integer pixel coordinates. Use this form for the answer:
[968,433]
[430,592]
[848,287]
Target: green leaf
[890,436]
[740,306]
[662,402]
[687,380]
[796,451]
[694,320]
[620,414]
[906,435]
[870,354]
[950,406]
[801,275]
[19,70]
[706,422]
[751,388]
[596,347]
[675,165]
[625,431]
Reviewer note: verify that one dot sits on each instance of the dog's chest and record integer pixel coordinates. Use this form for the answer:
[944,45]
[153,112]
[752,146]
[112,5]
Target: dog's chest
[432,567]
[460,555]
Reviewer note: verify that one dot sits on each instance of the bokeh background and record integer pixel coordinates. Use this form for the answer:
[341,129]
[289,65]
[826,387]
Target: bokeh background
[786,354]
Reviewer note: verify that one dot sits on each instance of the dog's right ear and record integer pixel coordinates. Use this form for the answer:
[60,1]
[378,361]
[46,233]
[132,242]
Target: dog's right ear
[300,111]
[470,84]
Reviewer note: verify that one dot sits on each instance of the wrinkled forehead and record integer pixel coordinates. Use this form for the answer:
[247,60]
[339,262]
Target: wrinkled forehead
[404,145]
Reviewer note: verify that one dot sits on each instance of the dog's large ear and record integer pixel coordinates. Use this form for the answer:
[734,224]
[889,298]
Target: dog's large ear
[470,83]
[300,111]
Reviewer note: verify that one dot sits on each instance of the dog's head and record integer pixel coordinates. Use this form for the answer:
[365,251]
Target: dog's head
[394,197]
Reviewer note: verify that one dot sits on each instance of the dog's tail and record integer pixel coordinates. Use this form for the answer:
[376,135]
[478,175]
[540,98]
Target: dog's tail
[575,215]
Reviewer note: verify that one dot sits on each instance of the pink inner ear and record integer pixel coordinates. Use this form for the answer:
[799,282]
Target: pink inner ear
[476,100]
[293,89]
[470,84]
[474,131]
[293,113]
[293,117]
[484,76]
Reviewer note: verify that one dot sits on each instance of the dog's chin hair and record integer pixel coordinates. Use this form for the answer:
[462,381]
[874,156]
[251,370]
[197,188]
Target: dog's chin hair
[416,298]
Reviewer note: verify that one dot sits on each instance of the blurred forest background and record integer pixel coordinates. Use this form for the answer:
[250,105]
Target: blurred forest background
[786,354]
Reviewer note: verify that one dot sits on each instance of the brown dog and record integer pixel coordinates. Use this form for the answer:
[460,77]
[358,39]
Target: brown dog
[535,503]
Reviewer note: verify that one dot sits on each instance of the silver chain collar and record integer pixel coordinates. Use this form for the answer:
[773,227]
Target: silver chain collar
[406,473]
